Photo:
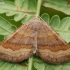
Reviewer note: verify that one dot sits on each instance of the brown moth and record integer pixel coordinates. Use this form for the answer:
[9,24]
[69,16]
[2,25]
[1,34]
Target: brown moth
[35,36]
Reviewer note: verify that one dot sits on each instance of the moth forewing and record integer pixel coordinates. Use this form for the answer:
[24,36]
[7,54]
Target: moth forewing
[19,46]
[51,47]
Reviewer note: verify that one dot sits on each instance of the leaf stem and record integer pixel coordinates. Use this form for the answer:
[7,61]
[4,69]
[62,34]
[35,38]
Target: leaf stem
[30,63]
[38,7]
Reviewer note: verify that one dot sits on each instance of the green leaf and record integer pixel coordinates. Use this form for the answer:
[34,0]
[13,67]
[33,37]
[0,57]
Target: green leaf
[58,67]
[60,5]
[63,29]
[39,66]
[11,66]
[18,3]
[26,19]
[6,6]
[55,21]
[66,67]
[25,5]
[46,17]
[19,9]
[6,28]
[49,67]
[32,5]
[19,16]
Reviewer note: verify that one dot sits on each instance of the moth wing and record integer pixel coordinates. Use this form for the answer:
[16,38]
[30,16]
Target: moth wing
[51,47]
[18,46]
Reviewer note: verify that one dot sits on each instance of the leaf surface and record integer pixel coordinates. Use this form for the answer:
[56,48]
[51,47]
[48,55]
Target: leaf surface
[18,8]
[41,65]
[60,5]
[11,66]
[6,28]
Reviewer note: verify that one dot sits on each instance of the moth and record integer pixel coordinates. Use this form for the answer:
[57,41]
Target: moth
[35,37]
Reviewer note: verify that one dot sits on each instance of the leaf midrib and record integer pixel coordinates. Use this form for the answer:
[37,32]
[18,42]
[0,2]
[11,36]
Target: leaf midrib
[6,30]
[19,11]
